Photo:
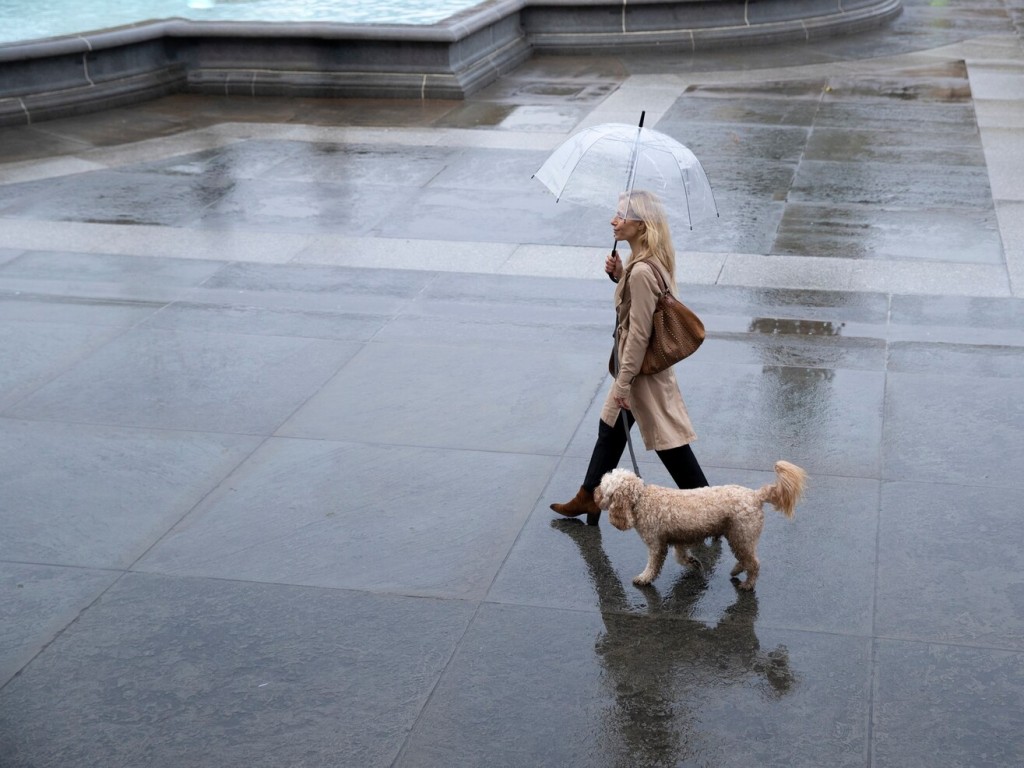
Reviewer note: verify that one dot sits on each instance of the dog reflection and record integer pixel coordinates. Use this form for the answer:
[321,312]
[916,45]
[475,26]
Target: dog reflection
[662,663]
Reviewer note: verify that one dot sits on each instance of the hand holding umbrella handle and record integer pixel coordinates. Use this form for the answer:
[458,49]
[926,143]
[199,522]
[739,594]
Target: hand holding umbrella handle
[613,265]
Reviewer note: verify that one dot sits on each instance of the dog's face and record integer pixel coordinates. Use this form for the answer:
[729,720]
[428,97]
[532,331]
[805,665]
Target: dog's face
[617,493]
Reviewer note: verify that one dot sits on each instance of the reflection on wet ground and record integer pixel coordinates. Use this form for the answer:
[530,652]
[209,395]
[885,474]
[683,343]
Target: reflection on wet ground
[658,693]
[289,384]
[774,325]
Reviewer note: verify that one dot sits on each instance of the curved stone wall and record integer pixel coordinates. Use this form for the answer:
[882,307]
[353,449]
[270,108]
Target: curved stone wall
[571,25]
[77,74]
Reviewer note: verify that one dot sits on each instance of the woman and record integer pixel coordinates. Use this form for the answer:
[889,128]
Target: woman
[654,400]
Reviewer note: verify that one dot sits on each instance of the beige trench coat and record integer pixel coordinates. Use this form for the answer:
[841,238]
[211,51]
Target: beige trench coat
[654,399]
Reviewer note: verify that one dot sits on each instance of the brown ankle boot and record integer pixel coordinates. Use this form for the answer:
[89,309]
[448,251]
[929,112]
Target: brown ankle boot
[582,503]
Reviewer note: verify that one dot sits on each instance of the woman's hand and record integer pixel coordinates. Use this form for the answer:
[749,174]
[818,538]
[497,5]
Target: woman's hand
[613,266]
[622,402]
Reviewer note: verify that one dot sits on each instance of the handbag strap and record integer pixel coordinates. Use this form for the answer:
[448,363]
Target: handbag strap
[661,279]
[657,273]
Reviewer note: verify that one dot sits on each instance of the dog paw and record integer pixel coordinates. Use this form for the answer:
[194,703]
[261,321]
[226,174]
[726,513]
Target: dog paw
[643,580]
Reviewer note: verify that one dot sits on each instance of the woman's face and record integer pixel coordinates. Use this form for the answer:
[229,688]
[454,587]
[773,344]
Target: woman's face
[625,229]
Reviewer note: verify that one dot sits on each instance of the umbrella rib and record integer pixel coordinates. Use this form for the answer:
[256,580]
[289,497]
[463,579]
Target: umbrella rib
[631,171]
[711,190]
[582,154]
[686,195]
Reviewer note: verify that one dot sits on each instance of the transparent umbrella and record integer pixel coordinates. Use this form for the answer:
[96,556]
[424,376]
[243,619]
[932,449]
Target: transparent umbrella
[598,164]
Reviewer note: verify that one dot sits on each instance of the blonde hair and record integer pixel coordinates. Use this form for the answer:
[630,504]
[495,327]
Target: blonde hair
[655,239]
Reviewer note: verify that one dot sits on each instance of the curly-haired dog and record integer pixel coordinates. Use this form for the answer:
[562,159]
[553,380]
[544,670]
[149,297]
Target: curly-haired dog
[667,517]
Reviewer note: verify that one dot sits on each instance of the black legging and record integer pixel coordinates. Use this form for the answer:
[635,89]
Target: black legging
[611,442]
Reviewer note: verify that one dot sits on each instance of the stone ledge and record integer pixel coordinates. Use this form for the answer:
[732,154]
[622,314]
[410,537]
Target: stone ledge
[567,26]
[62,77]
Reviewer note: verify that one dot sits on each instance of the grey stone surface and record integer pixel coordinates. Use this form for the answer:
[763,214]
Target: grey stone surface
[104,276]
[100,496]
[268,321]
[979,412]
[959,320]
[886,185]
[37,602]
[926,590]
[351,535]
[358,166]
[860,230]
[191,380]
[276,469]
[34,353]
[1007,173]
[408,397]
[976,690]
[76,311]
[231,672]
[501,215]
[1012,229]
[117,198]
[364,292]
[407,253]
[284,206]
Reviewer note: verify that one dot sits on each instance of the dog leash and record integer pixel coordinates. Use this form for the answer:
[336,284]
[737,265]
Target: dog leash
[622,411]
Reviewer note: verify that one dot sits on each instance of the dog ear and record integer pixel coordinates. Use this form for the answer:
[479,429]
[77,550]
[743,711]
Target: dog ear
[611,483]
[620,510]
[632,486]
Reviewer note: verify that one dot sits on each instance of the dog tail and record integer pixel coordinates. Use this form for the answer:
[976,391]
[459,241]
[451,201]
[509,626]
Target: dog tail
[787,489]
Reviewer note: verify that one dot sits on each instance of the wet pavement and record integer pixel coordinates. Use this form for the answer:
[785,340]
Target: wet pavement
[288,386]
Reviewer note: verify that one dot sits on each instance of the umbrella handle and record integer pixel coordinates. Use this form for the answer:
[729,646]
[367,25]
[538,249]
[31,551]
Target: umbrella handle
[610,275]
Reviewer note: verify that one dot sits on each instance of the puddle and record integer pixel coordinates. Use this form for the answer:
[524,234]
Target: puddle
[477,115]
[779,326]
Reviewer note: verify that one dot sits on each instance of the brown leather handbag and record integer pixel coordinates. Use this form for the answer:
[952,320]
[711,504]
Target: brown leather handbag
[676,333]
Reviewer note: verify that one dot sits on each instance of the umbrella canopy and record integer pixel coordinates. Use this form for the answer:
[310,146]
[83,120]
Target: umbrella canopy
[596,165]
